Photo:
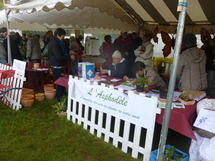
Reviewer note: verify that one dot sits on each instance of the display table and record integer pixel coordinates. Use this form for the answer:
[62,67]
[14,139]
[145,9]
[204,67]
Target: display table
[36,77]
[181,120]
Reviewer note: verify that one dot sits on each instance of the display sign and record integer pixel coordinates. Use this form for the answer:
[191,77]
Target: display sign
[19,66]
[206,120]
[134,108]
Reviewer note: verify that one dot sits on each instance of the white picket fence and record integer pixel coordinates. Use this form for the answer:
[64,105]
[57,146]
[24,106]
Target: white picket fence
[131,138]
[14,96]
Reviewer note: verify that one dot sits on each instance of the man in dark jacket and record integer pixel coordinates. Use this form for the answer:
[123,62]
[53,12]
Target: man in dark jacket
[15,53]
[3,53]
[57,58]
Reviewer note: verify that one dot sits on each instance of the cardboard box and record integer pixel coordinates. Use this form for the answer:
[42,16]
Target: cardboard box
[86,70]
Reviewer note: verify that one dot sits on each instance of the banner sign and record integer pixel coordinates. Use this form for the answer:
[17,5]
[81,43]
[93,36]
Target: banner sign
[134,108]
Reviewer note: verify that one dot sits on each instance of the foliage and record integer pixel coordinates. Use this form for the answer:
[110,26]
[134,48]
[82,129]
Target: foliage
[61,106]
[184,96]
[141,81]
[37,134]
[169,154]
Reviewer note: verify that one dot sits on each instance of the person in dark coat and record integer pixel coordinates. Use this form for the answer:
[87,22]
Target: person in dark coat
[14,47]
[57,58]
[210,62]
[118,68]
[124,44]
[136,39]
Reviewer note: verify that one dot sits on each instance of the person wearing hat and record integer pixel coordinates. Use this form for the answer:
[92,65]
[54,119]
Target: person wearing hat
[126,46]
[14,47]
[3,53]
[118,68]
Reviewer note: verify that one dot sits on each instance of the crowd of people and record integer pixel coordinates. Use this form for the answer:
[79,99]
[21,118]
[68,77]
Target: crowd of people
[128,56]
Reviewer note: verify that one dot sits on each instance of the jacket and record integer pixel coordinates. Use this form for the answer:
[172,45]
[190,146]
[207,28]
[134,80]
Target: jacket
[56,55]
[153,76]
[15,52]
[146,58]
[119,70]
[33,49]
[191,70]
[3,53]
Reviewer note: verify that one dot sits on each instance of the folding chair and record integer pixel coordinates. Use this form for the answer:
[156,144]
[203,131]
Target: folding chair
[6,82]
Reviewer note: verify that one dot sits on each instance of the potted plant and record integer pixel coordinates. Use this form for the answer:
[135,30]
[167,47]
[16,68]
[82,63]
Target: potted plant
[61,107]
[170,154]
[141,83]
[186,99]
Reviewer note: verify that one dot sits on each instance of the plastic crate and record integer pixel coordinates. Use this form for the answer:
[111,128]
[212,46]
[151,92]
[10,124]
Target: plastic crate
[178,152]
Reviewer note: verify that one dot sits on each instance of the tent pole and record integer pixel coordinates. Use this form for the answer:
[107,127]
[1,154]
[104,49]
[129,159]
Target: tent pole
[171,87]
[8,35]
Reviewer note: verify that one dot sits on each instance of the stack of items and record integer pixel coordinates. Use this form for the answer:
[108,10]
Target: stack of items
[86,70]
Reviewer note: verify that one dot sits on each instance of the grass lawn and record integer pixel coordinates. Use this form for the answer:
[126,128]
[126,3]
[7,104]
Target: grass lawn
[38,134]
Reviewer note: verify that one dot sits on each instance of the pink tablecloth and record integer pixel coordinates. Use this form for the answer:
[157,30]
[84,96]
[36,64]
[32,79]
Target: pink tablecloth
[181,120]
[62,81]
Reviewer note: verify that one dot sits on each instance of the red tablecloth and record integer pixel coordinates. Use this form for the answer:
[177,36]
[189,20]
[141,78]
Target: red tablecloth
[181,120]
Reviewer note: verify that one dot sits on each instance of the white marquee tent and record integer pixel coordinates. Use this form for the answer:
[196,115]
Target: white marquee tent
[112,14]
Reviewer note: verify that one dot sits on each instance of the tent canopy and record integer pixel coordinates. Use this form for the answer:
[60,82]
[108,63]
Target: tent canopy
[113,14]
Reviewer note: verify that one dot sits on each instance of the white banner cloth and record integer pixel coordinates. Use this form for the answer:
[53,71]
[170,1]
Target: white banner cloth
[134,108]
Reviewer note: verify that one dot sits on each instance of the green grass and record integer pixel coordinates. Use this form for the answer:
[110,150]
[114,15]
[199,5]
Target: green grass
[38,134]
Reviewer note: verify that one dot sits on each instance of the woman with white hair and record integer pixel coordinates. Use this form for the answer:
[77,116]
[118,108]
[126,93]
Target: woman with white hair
[118,68]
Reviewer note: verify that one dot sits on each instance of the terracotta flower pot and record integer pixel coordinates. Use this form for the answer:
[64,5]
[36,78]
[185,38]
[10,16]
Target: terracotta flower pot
[40,96]
[27,100]
[50,93]
[27,91]
[48,86]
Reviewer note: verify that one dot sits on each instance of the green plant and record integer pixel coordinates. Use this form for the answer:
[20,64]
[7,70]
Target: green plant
[61,106]
[170,154]
[184,96]
[142,82]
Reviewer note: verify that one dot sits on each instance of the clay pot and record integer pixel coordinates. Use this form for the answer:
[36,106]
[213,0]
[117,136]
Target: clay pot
[50,93]
[48,86]
[27,91]
[27,100]
[40,96]
[36,65]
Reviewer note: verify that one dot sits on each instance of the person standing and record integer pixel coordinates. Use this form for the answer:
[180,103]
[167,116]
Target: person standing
[136,39]
[124,44]
[210,62]
[144,52]
[192,65]
[106,52]
[57,58]
[14,47]
[33,54]
[3,53]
